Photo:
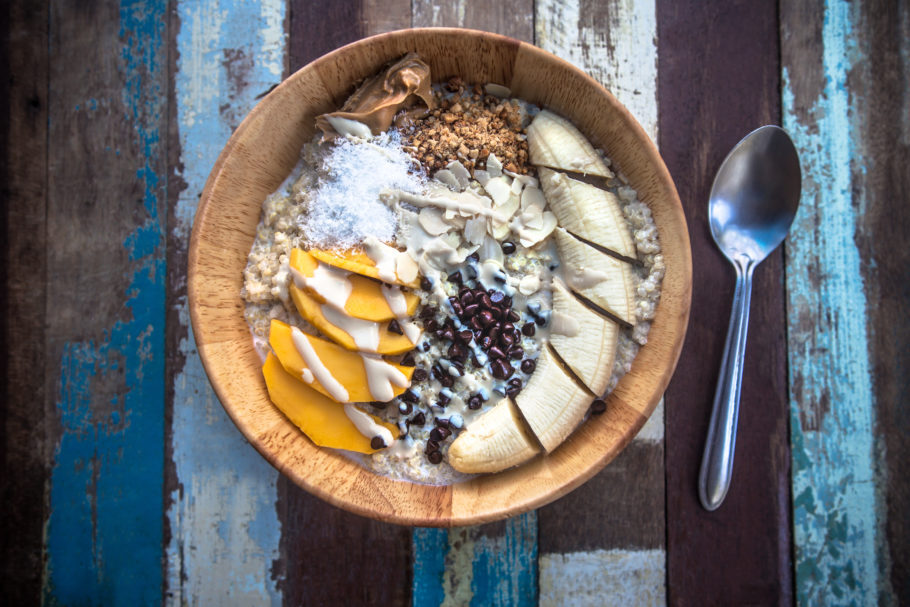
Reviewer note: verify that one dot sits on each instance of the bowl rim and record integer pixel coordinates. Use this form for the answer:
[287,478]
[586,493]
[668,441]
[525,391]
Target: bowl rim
[678,323]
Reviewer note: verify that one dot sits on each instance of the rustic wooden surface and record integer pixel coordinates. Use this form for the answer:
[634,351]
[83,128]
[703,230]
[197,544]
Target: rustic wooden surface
[113,117]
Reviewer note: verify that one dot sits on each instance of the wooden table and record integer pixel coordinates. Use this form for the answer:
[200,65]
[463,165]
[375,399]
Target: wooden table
[125,483]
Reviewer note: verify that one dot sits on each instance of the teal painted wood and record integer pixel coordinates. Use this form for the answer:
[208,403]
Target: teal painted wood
[104,533]
[224,526]
[429,548]
[836,510]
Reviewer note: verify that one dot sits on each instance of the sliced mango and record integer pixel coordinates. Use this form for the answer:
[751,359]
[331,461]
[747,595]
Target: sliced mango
[357,261]
[366,300]
[311,310]
[346,367]
[321,419]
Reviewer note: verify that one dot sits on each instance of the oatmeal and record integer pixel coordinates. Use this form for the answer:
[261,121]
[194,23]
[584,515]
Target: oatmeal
[447,280]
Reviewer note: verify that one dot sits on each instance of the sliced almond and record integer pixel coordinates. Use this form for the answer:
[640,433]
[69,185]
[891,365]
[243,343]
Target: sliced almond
[431,219]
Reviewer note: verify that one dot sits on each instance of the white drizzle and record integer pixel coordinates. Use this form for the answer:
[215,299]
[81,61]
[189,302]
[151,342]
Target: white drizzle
[365,333]
[399,307]
[330,283]
[319,370]
[366,425]
[563,324]
[307,375]
[381,376]
[384,256]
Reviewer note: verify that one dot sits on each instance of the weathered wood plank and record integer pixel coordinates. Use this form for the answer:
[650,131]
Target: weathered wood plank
[105,302]
[614,524]
[223,526]
[715,87]
[845,102]
[514,18]
[332,557]
[23,136]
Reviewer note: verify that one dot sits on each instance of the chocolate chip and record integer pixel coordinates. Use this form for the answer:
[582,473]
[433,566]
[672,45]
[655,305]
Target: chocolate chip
[455,277]
[507,301]
[439,434]
[540,320]
[408,360]
[508,247]
[497,296]
[493,331]
[431,325]
[501,368]
[456,350]
[425,346]
[377,443]
[465,336]
[475,402]
[598,407]
[419,419]
[506,340]
[419,375]
[394,327]
[474,256]
[447,333]
[485,317]
[425,283]
[485,301]
[528,365]
[432,446]
[485,342]
[456,307]
[444,400]
[470,310]
[508,328]
[405,408]
[447,381]
[528,329]
[466,298]
[435,457]
[441,422]
[512,391]
[516,353]
[496,352]
[515,381]
[409,396]
[513,316]
[429,312]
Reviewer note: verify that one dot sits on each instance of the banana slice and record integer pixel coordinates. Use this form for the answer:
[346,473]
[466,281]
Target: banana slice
[552,402]
[554,142]
[496,440]
[585,340]
[604,280]
[588,212]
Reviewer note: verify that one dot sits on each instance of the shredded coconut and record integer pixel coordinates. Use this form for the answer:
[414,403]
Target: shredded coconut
[345,207]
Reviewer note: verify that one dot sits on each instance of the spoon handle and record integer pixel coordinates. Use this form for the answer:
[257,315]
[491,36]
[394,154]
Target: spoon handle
[717,461]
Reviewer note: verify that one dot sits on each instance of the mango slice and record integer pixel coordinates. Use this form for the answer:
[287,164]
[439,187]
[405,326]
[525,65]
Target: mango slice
[311,310]
[357,261]
[319,417]
[346,367]
[366,300]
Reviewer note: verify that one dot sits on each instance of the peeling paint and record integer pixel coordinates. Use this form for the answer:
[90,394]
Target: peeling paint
[835,506]
[603,577]
[224,527]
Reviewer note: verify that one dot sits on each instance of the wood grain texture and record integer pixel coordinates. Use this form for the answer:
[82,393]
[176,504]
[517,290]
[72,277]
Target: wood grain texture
[23,135]
[223,528]
[513,18]
[223,231]
[714,89]
[845,367]
[104,364]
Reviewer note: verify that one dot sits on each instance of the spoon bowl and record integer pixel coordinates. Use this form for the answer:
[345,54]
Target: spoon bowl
[753,201]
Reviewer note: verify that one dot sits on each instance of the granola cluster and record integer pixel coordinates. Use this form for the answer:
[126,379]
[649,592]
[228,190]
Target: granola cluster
[468,126]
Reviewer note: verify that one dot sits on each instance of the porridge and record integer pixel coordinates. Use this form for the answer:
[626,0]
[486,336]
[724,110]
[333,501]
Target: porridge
[448,280]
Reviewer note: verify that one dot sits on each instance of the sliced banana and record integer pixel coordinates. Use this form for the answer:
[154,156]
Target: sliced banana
[596,276]
[588,212]
[554,142]
[552,402]
[496,440]
[588,345]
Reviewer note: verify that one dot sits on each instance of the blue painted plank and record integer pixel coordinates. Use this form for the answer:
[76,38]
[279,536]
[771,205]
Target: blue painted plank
[836,506]
[104,533]
[429,548]
[225,530]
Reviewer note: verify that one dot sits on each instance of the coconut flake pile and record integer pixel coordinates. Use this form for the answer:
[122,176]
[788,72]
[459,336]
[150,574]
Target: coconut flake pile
[345,207]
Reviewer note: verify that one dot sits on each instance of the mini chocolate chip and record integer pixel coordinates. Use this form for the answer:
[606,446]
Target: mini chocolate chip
[408,360]
[598,407]
[474,323]
[449,323]
[441,422]
[425,346]
[435,457]
[496,352]
[485,342]
[419,375]
[470,310]
[410,397]
[440,433]
[496,297]
[507,301]
[501,368]
[528,365]
[465,336]
[506,340]
[513,316]
[456,307]
[486,317]
[466,298]
[456,350]
[444,400]
[463,291]
[485,301]
[474,256]
[512,391]
[540,320]
[405,408]
[508,327]
[377,443]
[515,381]
[419,419]
[453,299]
[432,446]
[508,247]
[394,327]
[429,312]
[431,325]
[494,331]
[475,402]
[455,277]
[516,353]
[447,381]
[448,333]
[528,329]
[425,283]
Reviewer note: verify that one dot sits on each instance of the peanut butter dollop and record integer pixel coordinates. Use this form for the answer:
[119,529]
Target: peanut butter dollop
[380,97]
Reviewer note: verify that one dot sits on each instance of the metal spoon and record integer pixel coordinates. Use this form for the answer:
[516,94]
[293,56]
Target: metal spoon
[753,201]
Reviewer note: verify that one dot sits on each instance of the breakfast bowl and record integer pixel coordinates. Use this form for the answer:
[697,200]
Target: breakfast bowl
[263,152]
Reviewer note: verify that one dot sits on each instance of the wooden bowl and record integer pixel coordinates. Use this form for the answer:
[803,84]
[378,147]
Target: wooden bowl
[262,153]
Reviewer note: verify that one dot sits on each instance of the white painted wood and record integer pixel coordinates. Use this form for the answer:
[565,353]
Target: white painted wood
[223,522]
[603,578]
